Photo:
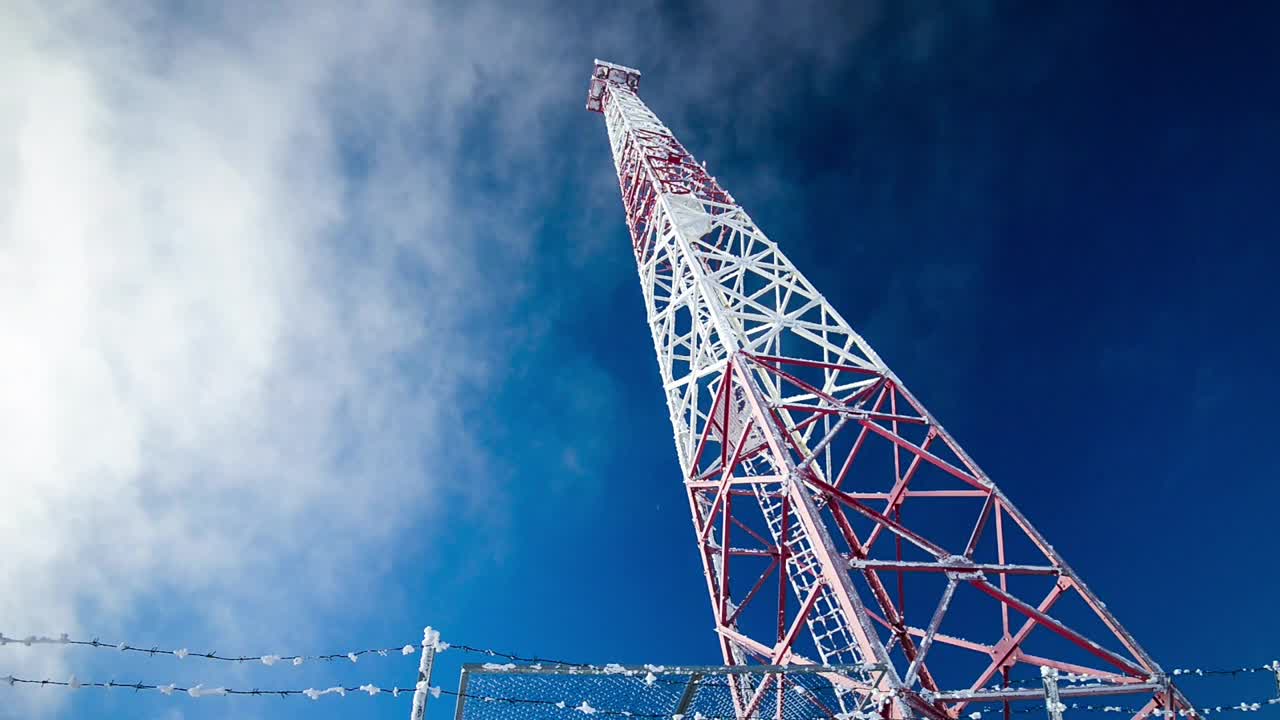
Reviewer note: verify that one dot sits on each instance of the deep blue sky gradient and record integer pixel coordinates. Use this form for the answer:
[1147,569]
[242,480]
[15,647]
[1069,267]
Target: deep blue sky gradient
[1059,231]
[1056,222]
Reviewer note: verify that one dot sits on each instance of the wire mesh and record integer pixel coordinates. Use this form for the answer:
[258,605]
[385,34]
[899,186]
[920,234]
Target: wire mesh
[538,692]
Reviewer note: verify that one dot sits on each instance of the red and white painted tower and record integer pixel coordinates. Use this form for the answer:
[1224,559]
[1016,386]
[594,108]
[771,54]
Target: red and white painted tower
[837,521]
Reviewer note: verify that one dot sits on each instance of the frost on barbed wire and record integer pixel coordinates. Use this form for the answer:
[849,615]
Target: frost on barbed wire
[585,707]
[30,640]
[269,659]
[315,694]
[202,691]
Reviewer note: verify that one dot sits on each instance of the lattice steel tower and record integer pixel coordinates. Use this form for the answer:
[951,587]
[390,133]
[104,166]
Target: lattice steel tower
[837,521]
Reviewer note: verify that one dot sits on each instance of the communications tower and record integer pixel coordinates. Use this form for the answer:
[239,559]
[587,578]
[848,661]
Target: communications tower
[836,520]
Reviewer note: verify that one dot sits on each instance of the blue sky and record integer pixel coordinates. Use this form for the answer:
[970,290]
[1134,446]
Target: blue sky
[330,328]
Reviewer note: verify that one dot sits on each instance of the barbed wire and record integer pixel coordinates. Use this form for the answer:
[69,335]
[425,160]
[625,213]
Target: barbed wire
[271,658]
[1245,706]
[199,690]
[509,656]
[181,653]
[583,707]
[1271,667]
[412,648]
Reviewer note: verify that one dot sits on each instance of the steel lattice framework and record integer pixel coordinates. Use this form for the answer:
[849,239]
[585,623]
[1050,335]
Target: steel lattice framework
[837,521]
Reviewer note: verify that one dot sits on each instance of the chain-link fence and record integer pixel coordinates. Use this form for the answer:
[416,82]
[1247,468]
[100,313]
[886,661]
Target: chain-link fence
[570,692]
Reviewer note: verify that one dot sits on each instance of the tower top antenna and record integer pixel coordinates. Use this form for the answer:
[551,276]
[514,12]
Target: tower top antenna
[607,72]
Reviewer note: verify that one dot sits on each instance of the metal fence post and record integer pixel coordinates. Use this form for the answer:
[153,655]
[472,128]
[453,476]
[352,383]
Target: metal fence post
[430,638]
[1052,703]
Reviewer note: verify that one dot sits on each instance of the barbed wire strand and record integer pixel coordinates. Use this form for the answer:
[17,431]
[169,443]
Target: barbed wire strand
[1272,667]
[199,690]
[272,658]
[509,656]
[409,649]
[413,648]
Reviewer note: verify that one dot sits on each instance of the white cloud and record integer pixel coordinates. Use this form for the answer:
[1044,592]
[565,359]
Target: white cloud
[223,355]
[243,289]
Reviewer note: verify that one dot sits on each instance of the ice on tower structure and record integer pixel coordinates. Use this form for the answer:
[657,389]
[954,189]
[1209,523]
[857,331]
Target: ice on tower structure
[836,520]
